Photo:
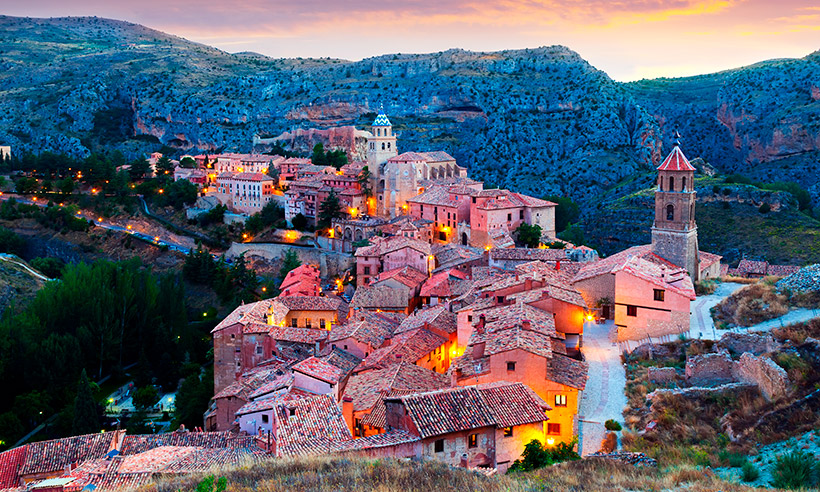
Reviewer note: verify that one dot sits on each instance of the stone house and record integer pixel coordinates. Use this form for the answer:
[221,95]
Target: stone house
[326,375]
[484,425]
[385,254]
[504,210]
[646,295]
[405,278]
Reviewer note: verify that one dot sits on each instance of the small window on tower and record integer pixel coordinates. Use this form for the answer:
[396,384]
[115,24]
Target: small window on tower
[382,145]
[671,183]
[670,212]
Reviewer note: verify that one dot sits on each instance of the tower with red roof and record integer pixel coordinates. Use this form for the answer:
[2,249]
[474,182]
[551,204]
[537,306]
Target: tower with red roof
[674,232]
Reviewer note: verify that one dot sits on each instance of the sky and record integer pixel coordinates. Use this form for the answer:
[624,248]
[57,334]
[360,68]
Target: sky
[628,39]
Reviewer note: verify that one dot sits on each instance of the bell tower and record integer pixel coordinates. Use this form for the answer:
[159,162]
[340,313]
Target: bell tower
[381,145]
[674,232]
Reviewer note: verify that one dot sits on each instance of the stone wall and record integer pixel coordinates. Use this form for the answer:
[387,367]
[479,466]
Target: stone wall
[765,373]
[710,369]
[739,343]
[330,263]
[662,375]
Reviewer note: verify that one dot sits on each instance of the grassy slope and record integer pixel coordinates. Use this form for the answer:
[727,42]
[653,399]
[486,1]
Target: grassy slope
[17,285]
[356,474]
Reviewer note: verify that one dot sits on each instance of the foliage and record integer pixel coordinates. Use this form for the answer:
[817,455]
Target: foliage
[566,212]
[764,208]
[213,216]
[86,417]
[573,234]
[192,398]
[187,162]
[199,266]
[270,214]
[11,242]
[536,455]
[49,266]
[299,222]
[290,262]
[794,470]
[177,194]
[364,182]
[329,209]
[212,484]
[164,166]
[749,472]
[800,194]
[529,235]
[336,158]
[612,425]
[139,168]
[145,397]
[25,186]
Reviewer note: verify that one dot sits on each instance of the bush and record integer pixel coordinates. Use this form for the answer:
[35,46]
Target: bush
[536,455]
[612,425]
[11,242]
[793,471]
[734,460]
[299,222]
[764,208]
[749,473]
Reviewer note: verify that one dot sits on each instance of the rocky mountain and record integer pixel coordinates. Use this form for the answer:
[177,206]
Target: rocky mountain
[540,121]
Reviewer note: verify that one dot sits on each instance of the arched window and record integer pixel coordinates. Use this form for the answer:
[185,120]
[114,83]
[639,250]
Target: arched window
[382,145]
[388,145]
[670,211]
[692,212]
[671,183]
[378,132]
[683,185]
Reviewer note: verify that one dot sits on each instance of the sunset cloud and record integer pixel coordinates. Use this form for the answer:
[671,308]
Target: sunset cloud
[626,38]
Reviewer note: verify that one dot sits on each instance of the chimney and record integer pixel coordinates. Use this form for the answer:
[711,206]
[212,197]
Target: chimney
[528,283]
[557,264]
[347,412]
[526,324]
[479,326]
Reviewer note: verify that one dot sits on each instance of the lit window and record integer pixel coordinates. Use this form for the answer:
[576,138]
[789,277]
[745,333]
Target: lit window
[508,431]
[553,429]
[659,294]
[472,440]
[293,322]
[560,400]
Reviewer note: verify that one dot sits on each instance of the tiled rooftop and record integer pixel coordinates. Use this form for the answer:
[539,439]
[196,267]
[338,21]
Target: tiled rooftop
[317,420]
[365,387]
[367,327]
[379,297]
[407,347]
[438,317]
[383,246]
[406,275]
[57,454]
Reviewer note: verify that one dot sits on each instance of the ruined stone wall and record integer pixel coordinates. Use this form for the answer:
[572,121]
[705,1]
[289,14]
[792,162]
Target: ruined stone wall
[710,369]
[753,343]
[331,263]
[765,373]
[662,375]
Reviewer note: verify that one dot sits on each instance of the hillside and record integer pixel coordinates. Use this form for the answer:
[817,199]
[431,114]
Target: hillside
[19,283]
[538,120]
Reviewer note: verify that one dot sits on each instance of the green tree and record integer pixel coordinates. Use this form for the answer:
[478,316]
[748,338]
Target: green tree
[86,418]
[566,212]
[573,234]
[66,186]
[318,155]
[26,185]
[199,266]
[299,222]
[187,162]
[289,262]
[364,181]
[11,242]
[145,397]
[49,266]
[192,398]
[164,166]
[139,168]
[529,235]
[329,209]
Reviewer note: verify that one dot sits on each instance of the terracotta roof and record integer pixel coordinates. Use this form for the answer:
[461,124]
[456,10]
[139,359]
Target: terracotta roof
[568,371]
[252,177]
[446,283]
[263,404]
[676,161]
[383,246]
[57,454]
[317,421]
[139,443]
[254,312]
[782,270]
[330,369]
[436,317]
[754,267]
[436,195]
[378,412]
[437,156]
[366,387]
[498,404]
[501,199]
[289,333]
[309,303]
[367,327]
[11,462]
[282,382]
[528,254]
[409,347]
[707,259]
[406,275]
[379,297]
[392,438]
[407,156]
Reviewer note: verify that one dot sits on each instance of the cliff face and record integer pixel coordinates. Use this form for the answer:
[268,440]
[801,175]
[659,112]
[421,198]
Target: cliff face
[541,121]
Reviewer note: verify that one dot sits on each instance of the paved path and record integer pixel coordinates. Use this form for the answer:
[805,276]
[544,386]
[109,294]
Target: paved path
[604,396]
[702,326]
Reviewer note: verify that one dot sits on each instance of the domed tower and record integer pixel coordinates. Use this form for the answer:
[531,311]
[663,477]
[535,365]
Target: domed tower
[381,146]
[674,232]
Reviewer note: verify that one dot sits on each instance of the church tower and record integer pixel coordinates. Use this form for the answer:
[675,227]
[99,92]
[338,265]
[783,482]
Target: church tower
[381,146]
[674,233]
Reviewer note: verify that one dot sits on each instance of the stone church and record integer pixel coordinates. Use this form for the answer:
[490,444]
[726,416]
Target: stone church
[395,177]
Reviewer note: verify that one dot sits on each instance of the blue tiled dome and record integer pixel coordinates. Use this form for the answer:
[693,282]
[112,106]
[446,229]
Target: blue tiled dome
[381,119]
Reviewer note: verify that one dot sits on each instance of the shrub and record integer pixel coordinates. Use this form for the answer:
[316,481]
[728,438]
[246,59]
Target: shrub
[793,471]
[612,425]
[734,460]
[749,473]
[764,208]
[536,455]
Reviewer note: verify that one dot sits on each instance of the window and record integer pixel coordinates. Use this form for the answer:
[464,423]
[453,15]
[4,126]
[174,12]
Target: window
[438,446]
[469,318]
[367,270]
[683,184]
[508,432]
[472,441]
[322,323]
[500,299]
[671,183]
[670,212]
[553,429]
[560,400]
[521,214]
[632,310]
[510,366]
[509,217]
[291,412]
[293,322]
[308,323]
[659,295]
[264,418]
[258,350]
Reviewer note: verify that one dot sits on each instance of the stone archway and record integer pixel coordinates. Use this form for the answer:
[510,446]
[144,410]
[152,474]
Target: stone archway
[464,239]
[359,235]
